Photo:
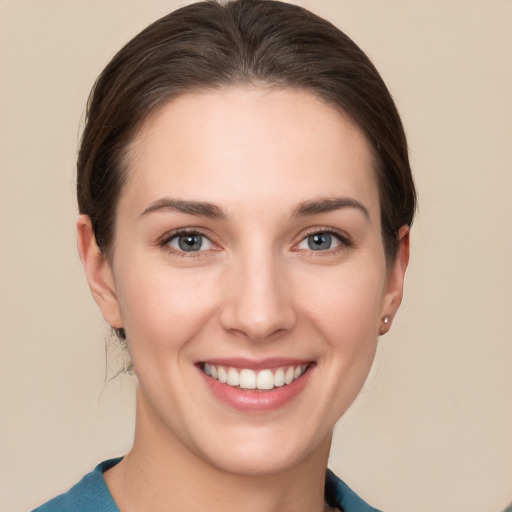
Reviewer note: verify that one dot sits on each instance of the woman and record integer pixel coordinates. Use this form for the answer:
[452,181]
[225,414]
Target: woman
[245,201]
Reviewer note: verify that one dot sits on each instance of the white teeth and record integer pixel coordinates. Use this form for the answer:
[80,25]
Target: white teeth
[233,377]
[279,378]
[222,375]
[249,379]
[265,380]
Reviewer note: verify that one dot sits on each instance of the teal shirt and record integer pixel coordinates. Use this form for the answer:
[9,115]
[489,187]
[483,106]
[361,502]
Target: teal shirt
[91,495]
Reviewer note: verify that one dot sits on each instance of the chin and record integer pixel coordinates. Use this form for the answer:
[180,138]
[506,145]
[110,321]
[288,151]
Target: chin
[244,464]
[261,452]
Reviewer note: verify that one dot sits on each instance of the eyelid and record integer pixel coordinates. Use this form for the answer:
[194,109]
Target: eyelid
[343,238]
[175,233]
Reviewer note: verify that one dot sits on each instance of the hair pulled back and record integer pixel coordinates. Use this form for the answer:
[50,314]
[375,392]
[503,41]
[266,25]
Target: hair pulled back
[207,46]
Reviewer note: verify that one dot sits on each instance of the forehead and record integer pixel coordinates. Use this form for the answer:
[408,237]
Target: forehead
[257,143]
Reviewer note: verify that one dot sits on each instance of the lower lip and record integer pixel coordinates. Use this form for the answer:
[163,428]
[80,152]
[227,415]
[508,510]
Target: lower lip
[255,400]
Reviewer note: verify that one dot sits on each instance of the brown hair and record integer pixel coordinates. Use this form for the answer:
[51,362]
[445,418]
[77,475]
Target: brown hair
[207,45]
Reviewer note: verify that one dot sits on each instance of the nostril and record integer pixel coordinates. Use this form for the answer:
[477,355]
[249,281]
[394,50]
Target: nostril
[258,304]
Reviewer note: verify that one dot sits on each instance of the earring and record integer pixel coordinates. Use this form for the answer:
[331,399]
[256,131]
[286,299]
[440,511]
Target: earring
[385,328]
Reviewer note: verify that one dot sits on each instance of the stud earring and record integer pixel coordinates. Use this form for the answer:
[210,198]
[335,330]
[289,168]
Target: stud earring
[385,327]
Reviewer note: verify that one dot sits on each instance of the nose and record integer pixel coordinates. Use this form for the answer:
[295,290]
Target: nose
[259,299]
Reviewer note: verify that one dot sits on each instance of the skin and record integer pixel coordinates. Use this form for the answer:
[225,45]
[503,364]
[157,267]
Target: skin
[256,290]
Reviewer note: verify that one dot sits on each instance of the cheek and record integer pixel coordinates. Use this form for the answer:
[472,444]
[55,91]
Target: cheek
[346,306]
[163,308]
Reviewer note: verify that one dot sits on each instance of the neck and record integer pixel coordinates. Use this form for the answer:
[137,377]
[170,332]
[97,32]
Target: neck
[160,473]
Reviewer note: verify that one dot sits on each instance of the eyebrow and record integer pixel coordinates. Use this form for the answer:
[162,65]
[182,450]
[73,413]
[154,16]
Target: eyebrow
[212,211]
[199,208]
[328,204]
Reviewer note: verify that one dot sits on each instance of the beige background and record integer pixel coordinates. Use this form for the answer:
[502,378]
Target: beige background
[432,432]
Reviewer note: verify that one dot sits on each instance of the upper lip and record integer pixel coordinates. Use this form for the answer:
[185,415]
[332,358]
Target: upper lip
[256,364]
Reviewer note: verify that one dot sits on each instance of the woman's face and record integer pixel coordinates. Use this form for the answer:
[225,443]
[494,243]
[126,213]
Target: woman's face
[248,248]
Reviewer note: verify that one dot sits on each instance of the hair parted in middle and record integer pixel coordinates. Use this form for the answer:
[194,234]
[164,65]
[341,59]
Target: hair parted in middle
[209,46]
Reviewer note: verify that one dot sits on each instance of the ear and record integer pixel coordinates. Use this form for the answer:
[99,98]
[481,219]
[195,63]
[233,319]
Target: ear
[98,272]
[394,287]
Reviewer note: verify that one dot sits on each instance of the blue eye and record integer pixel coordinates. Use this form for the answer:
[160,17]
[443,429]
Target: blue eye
[189,242]
[320,241]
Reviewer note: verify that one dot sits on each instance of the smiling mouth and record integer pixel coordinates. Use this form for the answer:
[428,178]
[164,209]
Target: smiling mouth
[262,380]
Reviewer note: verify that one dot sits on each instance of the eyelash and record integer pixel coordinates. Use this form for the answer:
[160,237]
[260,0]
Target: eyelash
[168,237]
[344,241]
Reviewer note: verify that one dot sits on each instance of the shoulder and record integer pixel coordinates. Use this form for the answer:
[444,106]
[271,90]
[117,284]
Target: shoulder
[92,495]
[339,494]
[89,495]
